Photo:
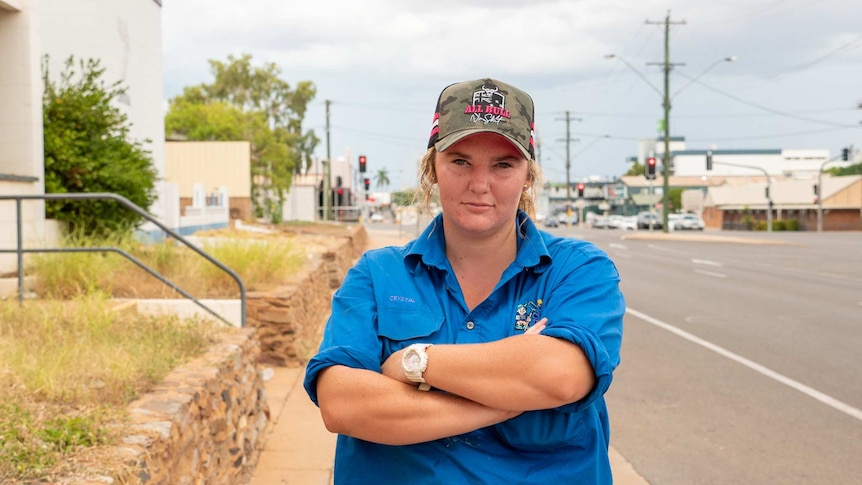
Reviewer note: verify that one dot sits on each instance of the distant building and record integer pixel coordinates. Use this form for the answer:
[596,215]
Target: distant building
[217,167]
[744,207]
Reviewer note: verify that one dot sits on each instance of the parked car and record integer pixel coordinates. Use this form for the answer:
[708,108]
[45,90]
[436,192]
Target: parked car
[377,217]
[551,222]
[601,222]
[687,222]
[649,219]
[628,223]
[561,218]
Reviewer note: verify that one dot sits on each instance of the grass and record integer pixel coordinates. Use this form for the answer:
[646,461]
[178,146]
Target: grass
[69,368]
[69,365]
[261,263]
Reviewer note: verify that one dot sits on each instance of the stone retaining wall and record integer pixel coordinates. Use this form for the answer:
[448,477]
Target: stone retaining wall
[203,423]
[200,425]
[290,319]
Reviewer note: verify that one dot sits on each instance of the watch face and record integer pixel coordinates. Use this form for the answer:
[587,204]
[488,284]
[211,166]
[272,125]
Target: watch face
[412,360]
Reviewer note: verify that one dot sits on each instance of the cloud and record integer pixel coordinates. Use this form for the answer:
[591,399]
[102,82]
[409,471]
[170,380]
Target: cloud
[382,63]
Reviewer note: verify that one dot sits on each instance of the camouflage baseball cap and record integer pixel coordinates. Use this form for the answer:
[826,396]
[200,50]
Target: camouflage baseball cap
[484,105]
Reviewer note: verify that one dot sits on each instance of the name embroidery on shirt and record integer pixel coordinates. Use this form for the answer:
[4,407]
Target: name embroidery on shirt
[402,299]
[527,314]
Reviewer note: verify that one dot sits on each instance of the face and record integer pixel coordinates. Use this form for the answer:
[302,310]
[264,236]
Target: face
[480,179]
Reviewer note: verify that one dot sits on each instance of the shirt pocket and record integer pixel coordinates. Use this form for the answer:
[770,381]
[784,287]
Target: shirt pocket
[404,325]
[541,430]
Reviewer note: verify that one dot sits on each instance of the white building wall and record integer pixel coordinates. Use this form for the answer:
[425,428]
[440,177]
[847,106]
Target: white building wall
[21,147]
[777,163]
[126,37]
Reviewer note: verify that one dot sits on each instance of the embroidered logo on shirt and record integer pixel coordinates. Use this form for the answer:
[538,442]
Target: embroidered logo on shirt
[527,314]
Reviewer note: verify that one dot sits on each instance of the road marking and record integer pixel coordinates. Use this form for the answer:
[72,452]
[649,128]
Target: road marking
[707,262]
[710,273]
[808,391]
[618,246]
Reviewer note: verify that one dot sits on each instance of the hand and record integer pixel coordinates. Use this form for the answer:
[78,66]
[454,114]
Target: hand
[537,327]
[391,368]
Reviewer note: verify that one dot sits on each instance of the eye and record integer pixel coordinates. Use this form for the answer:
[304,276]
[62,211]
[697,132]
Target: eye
[460,161]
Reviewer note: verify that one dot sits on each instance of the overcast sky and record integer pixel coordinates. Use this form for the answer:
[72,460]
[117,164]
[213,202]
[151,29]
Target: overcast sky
[797,81]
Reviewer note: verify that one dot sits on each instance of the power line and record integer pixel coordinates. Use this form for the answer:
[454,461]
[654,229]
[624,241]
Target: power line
[771,110]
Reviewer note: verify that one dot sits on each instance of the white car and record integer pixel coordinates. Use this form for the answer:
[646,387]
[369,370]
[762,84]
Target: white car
[628,223]
[687,222]
[378,217]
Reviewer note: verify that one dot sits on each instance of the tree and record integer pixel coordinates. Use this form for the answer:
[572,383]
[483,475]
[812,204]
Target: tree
[381,179]
[635,169]
[251,103]
[87,150]
[855,169]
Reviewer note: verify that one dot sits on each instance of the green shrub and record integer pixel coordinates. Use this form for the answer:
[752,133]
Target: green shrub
[87,150]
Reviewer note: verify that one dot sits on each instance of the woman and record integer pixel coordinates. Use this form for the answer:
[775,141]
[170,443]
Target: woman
[479,352]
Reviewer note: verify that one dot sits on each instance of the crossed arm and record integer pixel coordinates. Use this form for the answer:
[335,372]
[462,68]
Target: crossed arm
[484,384]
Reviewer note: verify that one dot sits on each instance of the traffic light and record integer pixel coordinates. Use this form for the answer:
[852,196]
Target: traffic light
[367,183]
[362,162]
[338,181]
[816,190]
[649,169]
[709,160]
[581,190]
[845,154]
[338,198]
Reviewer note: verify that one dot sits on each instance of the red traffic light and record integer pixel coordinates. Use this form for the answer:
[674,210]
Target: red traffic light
[580,186]
[362,163]
[649,169]
[340,191]
[580,189]
[367,183]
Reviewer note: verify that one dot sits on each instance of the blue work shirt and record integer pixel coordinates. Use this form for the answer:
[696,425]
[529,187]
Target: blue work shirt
[397,296]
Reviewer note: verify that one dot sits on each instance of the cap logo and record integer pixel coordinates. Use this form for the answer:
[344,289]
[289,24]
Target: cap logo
[489,106]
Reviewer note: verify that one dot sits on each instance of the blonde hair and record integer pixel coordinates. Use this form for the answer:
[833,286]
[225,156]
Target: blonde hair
[428,181]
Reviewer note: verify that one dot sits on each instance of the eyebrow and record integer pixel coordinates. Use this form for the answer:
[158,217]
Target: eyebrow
[457,154]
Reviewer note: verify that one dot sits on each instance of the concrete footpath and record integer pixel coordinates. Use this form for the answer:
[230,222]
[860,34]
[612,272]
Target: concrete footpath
[297,448]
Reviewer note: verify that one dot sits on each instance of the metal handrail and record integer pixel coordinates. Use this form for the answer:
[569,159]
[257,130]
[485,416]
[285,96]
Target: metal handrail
[130,205]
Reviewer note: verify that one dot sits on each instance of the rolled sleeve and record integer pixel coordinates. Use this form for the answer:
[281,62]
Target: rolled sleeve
[350,338]
[587,310]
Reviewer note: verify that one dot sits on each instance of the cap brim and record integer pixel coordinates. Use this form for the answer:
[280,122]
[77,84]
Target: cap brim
[453,138]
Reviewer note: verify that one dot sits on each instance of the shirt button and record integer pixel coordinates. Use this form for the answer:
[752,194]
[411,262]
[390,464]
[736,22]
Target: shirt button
[470,325]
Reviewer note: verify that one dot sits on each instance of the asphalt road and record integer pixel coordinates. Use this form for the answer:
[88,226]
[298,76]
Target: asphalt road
[742,356]
[741,360]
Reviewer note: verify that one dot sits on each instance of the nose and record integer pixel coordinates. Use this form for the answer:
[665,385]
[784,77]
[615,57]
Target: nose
[480,179]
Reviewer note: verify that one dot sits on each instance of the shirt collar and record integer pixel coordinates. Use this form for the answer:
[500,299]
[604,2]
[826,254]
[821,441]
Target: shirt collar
[429,248]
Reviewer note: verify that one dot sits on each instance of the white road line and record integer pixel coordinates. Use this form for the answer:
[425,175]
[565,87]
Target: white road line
[618,246]
[710,273]
[810,392]
[707,262]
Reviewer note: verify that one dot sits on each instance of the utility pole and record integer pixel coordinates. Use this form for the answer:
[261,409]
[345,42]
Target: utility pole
[327,170]
[666,122]
[568,119]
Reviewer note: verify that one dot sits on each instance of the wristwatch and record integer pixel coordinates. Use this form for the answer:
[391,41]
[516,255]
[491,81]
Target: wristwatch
[414,361]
